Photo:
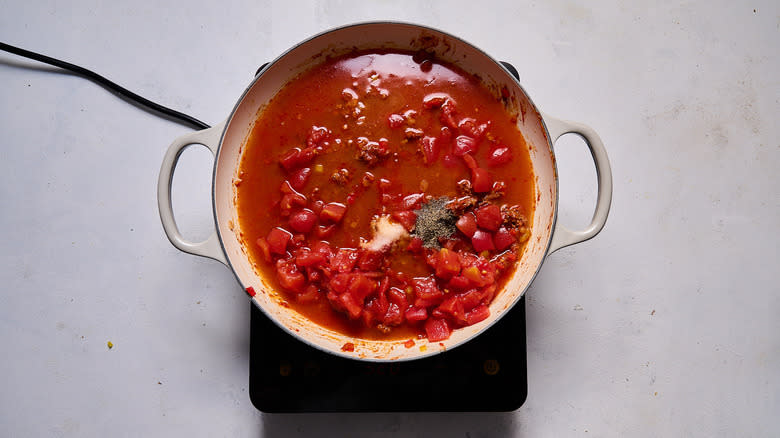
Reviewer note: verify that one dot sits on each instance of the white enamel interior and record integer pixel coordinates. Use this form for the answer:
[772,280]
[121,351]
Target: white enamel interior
[365,36]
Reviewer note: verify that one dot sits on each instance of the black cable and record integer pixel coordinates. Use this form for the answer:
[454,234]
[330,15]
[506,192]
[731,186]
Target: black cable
[170,113]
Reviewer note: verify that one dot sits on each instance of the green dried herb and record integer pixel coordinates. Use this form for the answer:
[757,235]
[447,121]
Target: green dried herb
[434,221]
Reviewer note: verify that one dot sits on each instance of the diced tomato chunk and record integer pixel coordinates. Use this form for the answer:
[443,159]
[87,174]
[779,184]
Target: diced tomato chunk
[344,260]
[323,248]
[489,217]
[426,288]
[415,245]
[299,178]
[499,156]
[482,241]
[393,316]
[291,201]
[289,160]
[350,305]
[458,283]
[398,297]
[277,239]
[503,239]
[416,314]
[339,282]
[481,181]
[471,163]
[289,276]
[448,264]
[370,260]
[325,231]
[333,212]
[412,201]
[317,135]
[434,100]
[406,218]
[464,145]
[303,220]
[395,120]
[467,224]
[470,299]
[310,294]
[470,127]
[430,148]
[264,248]
[449,114]
[437,329]
[360,287]
[452,307]
[479,313]
[305,257]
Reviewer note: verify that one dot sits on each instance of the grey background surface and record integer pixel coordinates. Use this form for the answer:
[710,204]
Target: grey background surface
[666,324]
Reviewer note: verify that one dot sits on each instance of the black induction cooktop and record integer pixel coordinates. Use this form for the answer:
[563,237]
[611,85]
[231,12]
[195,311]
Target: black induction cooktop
[487,373]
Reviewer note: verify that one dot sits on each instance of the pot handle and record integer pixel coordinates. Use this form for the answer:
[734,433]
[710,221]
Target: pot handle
[210,247]
[562,236]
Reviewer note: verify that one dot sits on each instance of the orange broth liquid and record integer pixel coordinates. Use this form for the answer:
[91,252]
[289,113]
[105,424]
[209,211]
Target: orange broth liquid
[384,83]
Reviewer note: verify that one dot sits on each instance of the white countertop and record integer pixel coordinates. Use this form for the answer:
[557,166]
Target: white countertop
[666,324]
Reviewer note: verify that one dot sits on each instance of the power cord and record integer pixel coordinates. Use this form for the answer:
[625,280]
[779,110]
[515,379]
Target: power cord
[127,94]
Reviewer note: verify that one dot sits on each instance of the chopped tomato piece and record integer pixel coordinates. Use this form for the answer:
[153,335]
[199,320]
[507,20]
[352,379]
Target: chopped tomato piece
[277,239]
[415,245]
[453,308]
[300,177]
[448,264]
[416,314]
[470,299]
[333,212]
[325,231]
[409,343]
[289,276]
[397,297]
[464,145]
[467,224]
[344,260]
[458,283]
[348,346]
[430,148]
[479,313]
[449,114]
[339,282]
[434,100]
[350,305]
[426,288]
[303,220]
[306,257]
[289,159]
[395,120]
[394,315]
[323,248]
[470,127]
[437,329]
[309,295]
[499,156]
[406,218]
[482,241]
[471,163]
[503,239]
[489,217]
[370,260]
[360,287]
[291,201]
[481,181]
[264,248]
[412,201]
[317,135]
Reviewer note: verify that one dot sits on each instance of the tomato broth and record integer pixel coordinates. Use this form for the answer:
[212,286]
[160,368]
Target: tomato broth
[386,195]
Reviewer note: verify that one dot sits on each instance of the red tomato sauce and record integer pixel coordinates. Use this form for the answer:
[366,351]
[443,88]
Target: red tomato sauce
[399,142]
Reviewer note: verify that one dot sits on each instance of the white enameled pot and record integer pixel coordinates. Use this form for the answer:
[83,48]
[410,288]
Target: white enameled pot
[227,138]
